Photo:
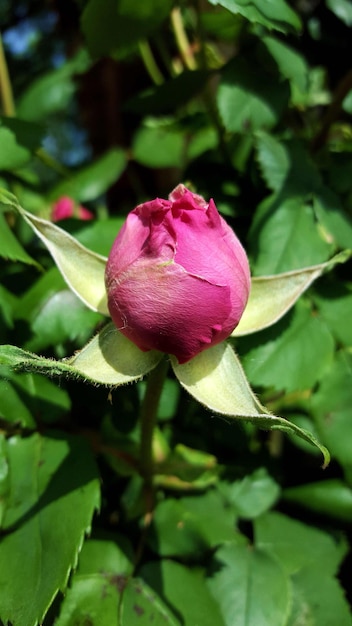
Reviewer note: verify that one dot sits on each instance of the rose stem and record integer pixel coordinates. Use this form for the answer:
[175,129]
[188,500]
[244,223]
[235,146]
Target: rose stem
[148,416]
[149,408]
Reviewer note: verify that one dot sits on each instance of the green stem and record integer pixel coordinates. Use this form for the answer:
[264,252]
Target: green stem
[52,163]
[150,63]
[182,39]
[208,92]
[155,383]
[148,416]
[7,100]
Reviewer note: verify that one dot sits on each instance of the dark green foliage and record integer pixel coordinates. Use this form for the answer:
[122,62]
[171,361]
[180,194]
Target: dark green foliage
[112,103]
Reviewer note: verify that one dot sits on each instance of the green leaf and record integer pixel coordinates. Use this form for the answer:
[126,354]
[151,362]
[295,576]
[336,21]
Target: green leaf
[142,606]
[297,545]
[318,600]
[293,356]
[39,292]
[82,269]
[24,398]
[272,296]
[334,302]
[277,15]
[331,408]
[111,555]
[96,587]
[18,141]
[286,166]
[327,497]
[8,303]
[250,587]
[53,493]
[115,27]
[13,408]
[63,317]
[92,181]
[216,379]
[186,469]
[249,99]
[108,359]
[251,496]
[176,532]
[99,235]
[10,247]
[52,91]
[170,142]
[92,599]
[292,65]
[342,9]
[185,591]
[167,97]
[336,222]
[285,236]
[218,525]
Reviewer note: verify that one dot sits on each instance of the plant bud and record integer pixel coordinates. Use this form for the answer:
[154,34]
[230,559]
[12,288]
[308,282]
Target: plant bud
[177,277]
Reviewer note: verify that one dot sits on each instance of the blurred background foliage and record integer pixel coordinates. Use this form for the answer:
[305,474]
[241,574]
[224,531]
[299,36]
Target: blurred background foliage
[108,103]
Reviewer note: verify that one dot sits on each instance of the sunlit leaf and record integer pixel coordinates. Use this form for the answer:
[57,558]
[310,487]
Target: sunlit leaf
[252,495]
[342,9]
[276,236]
[292,64]
[216,379]
[318,600]
[278,15]
[245,581]
[52,494]
[297,545]
[294,355]
[92,599]
[272,296]
[331,408]
[141,605]
[179,586]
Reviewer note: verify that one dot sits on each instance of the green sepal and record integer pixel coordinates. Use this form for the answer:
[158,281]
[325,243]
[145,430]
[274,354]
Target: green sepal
[108,359]
[216,379]
[272,296]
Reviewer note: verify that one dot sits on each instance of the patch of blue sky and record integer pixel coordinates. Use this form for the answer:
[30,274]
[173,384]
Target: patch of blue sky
[22,38]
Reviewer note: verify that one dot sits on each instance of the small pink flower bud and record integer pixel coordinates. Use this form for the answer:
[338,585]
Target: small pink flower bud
[65,208]
[177,277]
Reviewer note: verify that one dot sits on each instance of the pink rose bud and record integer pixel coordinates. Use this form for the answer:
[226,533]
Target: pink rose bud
[177,277]
[65,208]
